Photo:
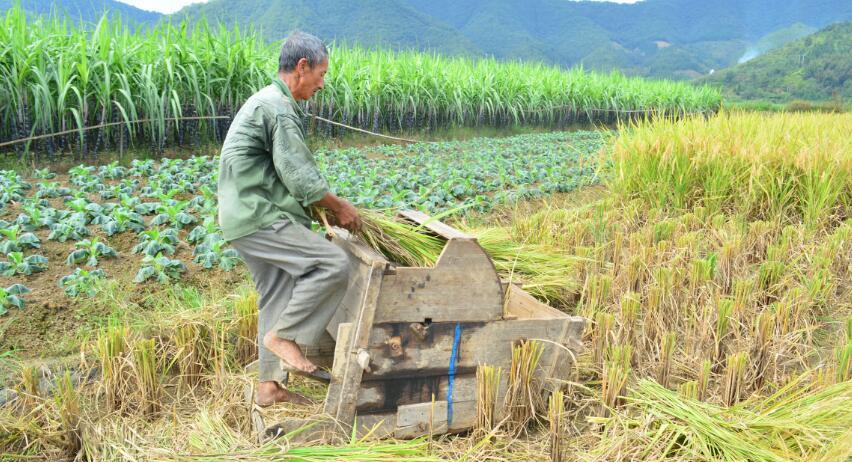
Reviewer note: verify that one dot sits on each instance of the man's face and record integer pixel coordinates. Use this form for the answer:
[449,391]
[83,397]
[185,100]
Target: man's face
[311,79]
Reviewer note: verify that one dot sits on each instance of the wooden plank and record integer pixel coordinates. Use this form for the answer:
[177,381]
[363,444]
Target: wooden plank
[358,249]
[481,343]
[463,286]
[436,226]
[522,305]
[343,390]
[387,395]
[421,413]
[350,306]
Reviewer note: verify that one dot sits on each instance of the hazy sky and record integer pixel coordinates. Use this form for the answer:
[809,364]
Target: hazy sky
[170,6]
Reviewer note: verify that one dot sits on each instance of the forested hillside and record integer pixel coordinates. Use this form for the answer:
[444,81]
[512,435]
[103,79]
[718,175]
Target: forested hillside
[817,67]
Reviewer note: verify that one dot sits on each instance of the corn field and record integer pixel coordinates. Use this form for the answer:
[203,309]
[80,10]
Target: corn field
[162,87]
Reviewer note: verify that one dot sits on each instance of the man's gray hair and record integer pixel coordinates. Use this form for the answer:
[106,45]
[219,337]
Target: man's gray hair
[301,45]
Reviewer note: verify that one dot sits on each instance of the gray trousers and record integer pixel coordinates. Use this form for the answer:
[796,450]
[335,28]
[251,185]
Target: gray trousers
[300,279]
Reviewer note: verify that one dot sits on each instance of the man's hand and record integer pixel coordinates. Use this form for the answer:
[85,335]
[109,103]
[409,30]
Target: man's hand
[345,214]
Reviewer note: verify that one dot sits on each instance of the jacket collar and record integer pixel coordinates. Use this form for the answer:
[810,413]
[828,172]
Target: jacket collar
[286,91]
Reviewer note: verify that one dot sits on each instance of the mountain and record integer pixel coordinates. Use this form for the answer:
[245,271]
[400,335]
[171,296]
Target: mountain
[683,39]
[817,67]
[776,39]
[659,38]
[86,10]
[384,23]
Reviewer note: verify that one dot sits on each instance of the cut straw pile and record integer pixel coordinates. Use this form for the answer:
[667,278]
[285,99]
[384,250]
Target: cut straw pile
[799,422]
[545,272]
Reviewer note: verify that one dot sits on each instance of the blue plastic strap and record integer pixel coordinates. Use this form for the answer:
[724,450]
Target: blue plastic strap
[451,373]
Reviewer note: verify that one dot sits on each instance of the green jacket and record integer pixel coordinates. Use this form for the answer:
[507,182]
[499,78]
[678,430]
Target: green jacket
[266,172]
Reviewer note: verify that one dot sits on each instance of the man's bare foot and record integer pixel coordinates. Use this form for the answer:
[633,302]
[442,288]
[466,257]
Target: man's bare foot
[269,393]
[289,351]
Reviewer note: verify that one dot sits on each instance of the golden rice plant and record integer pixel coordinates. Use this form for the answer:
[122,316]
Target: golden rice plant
[523,395]
[67,401]
[741,163]
[487,390]
[601,336]
[111,346]
[735,370]
[724,309]
[193,346]
[667,349]
[555,417]
[245,310]
[616,373]
[147,370]
[703,381]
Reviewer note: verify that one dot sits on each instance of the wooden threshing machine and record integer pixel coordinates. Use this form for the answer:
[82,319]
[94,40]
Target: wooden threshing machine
[408,340]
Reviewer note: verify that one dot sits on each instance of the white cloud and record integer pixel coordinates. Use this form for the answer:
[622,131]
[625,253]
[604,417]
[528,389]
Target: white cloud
[161,6]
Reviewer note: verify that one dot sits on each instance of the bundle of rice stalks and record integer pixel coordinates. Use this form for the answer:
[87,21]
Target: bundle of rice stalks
[214,440]
[546,273]
[400,241]
[800,422]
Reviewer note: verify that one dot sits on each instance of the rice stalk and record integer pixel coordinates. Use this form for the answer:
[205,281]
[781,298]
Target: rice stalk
[703,381]
[616,373]
[193,346]
[523,395]
[601,336]
[111,345]
[667,348]
[724,309]
[555,416]
[147,374]
[68,406]
[487,390]
[798,422]
[734,374]
[245,310]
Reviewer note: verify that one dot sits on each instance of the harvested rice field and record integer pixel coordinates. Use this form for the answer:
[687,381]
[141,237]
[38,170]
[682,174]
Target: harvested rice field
[710,257]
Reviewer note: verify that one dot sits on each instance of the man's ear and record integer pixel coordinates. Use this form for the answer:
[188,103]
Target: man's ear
[303,65]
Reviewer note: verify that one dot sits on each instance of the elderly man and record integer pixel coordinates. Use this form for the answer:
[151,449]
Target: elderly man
[267,180]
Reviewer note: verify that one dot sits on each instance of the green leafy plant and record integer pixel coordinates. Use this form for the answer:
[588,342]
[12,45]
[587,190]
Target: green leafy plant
[43,174]
[122,219]
[174,214]
[155,241]
[11,297]
[68,229]
[212,253]
[204,232]
[82,282]
[17,263]
[89,251]
[15,241]
[160,268]
[112,171]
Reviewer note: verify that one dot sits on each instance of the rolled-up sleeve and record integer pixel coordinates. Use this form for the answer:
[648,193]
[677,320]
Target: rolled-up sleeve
[295,164]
